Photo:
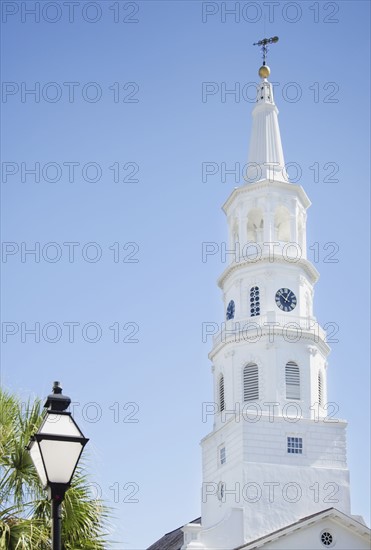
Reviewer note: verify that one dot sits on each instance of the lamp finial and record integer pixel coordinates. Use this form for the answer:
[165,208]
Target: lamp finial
[56,401]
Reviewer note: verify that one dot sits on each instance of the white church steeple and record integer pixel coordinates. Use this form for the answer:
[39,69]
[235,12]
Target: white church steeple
[274,456]
[265,158]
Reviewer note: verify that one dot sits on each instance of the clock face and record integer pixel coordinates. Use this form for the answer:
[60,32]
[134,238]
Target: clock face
[230,310]
[285,299]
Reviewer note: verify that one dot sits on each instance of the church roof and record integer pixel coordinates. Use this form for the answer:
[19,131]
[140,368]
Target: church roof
[350,521]
[173,540]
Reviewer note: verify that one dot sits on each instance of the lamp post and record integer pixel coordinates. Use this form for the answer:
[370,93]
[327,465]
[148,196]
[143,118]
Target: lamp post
[55,451]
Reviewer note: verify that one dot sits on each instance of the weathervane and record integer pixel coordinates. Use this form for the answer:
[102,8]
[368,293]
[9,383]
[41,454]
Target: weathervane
[264,71]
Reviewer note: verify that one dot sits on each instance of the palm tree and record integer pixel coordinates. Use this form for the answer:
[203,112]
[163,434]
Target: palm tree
[24,511]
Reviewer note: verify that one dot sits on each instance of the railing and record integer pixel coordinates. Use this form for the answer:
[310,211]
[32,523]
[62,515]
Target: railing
[252,328]
[253,251]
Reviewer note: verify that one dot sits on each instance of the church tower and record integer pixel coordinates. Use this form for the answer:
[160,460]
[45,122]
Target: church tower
[276,453]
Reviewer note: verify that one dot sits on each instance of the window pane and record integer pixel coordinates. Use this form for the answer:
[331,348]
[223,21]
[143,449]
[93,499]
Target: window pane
[254,301]
[295,445]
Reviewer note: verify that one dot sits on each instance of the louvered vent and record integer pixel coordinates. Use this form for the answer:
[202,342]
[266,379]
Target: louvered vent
[251,383]
[292,381]
[221,394]
[320,390]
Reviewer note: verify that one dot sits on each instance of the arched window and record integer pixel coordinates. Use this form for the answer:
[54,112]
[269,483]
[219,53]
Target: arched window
[320,390]
[282,224]
[221,394]
[221,490]
[292,380]
[251,382]
[255,225]
[254,301]
[236,236]
[301,233]
[231,308]
[307,305]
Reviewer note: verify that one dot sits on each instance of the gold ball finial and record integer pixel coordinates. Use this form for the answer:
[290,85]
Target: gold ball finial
[264,71]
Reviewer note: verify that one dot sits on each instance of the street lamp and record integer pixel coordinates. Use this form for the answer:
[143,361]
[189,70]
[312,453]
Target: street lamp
[55,451]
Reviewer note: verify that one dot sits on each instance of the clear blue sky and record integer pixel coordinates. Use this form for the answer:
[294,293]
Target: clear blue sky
[168,133]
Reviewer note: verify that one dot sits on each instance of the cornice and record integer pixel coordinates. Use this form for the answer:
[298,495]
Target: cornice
[240,338]
[267,185]
[304,264]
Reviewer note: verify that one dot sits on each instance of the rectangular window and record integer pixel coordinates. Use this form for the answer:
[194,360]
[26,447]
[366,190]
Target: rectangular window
[295,445]
[222,455]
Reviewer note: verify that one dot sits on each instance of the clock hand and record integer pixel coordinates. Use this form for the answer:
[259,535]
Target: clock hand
[283,297]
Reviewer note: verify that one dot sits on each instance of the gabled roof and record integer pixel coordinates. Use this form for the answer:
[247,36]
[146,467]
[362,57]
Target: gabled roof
[173,540]
[349,521]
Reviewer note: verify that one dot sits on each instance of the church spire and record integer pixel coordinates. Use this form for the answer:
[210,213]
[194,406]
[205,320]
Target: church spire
[265,159]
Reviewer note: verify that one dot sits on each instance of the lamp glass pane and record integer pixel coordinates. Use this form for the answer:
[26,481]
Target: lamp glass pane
[60,424]
[60,458]
[38,462]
